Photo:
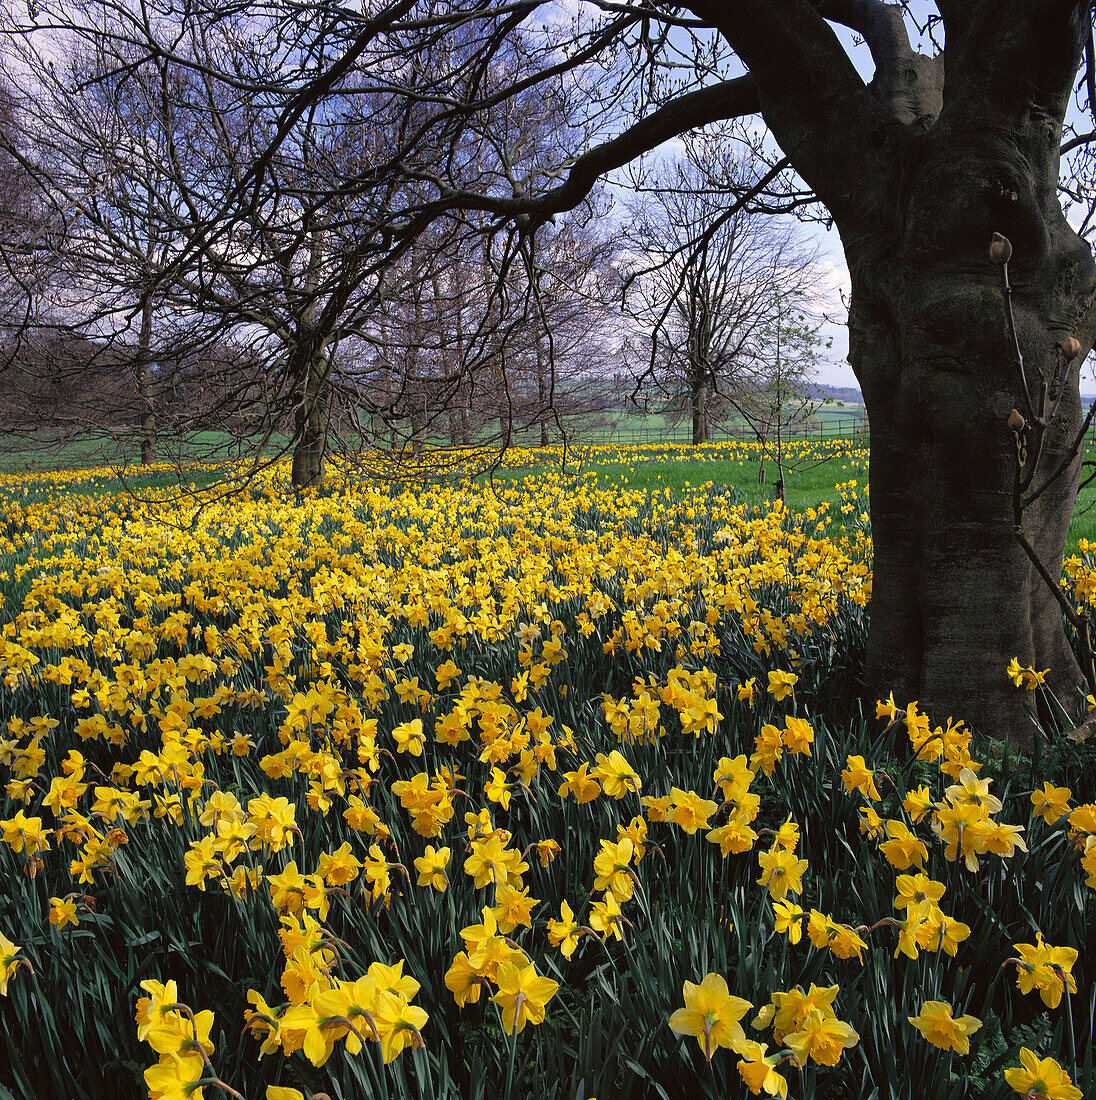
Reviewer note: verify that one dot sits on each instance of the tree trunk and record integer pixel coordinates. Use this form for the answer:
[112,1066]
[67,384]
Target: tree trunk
[698,404]
[918,176]
[312,369]
[954,596]
[417,413]
[778,488]
[310,426]
[144,385]
[543,395]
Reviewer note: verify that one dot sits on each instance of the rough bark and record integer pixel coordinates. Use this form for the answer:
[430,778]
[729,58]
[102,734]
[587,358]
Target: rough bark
[698,403]
[310,425]
[144,386]
[461,424]
[955,597]
[929,170]
[542,391]
[310,365]
[417,417]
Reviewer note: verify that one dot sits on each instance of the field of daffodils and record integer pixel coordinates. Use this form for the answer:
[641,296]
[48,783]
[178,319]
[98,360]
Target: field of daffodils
[534,787]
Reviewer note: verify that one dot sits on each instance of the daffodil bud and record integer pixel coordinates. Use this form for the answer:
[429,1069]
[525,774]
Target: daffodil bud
[1000,250]
[1071,347]
[1016,421]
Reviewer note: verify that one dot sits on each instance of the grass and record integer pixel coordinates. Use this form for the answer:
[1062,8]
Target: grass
[631,426]
[804,488]
[34,452]
[806,484]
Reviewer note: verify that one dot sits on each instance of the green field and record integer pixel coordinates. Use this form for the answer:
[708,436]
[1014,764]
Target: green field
[807,483]
[635,426]
[28,452]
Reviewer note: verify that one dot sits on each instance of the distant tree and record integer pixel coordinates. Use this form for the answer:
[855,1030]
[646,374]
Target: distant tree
[101,347]
[778,395]
[351,325]
[23,228]
[707,289]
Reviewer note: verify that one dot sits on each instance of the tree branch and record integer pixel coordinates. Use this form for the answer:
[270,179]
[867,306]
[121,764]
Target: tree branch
[881,25]
[805,81]
[729,99]
[989,44]
[1076,142]
[909,84]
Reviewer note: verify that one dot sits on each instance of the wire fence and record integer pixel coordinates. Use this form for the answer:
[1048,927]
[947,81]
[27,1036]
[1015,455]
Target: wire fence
[605,431]
[820,428]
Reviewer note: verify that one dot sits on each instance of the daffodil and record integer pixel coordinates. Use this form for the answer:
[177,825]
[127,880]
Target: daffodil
[857,776]
[689,811]
[781,872]
[745,692]
[902,849]
[1041,1079]
[917,894]
[822,1037]
[782,684]
[522,996]
[63,912]
[711,1014]
[431,868]
[605,917]
[564,933]
[937,1024]
[464,980]
[8,962]
[1051,803]
[584,787]
[513,907]
[1046,968]
[616,775]
[399,1024]
[612,868]
[789,920]
[758,1070]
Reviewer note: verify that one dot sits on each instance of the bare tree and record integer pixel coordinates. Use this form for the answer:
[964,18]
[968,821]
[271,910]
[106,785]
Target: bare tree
[777,396]
[20,219]
[136,154]
[101,349]
[706,288]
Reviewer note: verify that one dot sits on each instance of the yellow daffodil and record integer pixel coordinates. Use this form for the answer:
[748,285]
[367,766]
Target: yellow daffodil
[565,932]
[857,776]
[1041,1079]
[1051,803]
[937,1024]
[8,962]
[758,1070]
[522,996]
[63,912]
[1046,968]
[711,1014]
[781,872]
[782,684]
[431,868]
